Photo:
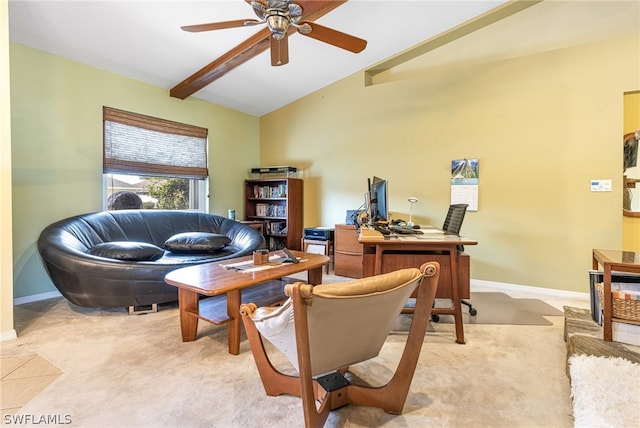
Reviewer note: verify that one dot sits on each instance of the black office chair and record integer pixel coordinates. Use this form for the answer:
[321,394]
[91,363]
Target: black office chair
[452,225]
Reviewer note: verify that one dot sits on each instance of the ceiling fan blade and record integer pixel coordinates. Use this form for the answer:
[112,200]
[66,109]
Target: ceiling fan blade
[279,50]
[219,25]
[335,38]
[254,45]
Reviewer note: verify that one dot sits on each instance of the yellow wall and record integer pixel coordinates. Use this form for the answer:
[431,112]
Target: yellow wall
[56,107]
[631,225]
[6,256]
[542,126]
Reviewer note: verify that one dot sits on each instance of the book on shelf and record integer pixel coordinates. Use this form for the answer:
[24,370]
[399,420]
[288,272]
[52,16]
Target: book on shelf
[276,228]
[265,192]
[270,210]
[276,243]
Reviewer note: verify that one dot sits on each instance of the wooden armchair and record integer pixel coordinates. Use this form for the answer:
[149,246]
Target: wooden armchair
[324,329]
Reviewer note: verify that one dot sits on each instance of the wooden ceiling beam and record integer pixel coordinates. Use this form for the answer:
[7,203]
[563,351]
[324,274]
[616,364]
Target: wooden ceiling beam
[254,45]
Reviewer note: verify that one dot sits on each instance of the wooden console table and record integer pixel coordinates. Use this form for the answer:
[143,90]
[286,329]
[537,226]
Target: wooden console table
[613,261]
[383,254]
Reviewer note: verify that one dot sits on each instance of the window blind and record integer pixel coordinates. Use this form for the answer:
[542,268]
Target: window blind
[145,145]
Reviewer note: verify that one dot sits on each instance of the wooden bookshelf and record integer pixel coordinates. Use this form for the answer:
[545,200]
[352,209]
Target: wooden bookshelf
[277,202]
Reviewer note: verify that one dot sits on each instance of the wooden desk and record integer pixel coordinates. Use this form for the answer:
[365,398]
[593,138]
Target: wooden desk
[213,279]
[618,261]
[409,249]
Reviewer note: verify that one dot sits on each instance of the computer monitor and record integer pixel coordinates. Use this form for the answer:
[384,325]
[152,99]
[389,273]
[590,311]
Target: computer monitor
[379,199]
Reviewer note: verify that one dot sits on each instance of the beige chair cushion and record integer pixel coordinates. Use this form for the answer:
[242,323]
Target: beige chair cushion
[348,321]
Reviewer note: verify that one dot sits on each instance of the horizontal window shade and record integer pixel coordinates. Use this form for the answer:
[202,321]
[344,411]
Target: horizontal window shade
[149,146]
[153,123]
[137,168]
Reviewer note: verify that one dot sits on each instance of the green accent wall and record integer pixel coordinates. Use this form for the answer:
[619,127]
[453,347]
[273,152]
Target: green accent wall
[56,146]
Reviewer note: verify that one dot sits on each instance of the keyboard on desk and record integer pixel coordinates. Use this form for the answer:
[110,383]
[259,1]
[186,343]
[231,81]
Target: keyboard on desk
[382,230]
[405,231]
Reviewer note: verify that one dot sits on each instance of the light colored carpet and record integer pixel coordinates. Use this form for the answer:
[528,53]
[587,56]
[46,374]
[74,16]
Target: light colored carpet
[605,392]
[123,370]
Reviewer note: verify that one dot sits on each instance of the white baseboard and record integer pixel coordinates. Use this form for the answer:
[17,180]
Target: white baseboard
[35,298]
[549,292]
[8,335]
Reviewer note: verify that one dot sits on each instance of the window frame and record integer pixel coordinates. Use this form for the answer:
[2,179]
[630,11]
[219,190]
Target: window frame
[192,165]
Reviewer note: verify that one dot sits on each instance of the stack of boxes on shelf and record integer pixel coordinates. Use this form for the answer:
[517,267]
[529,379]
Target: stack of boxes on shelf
[625,286]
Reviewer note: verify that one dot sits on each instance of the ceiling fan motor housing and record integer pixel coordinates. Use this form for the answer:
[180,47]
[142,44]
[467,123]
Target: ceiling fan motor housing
[278,23]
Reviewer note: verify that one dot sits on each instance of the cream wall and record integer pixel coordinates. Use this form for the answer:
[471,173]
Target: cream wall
[542,126]
[56,118]
[6,255]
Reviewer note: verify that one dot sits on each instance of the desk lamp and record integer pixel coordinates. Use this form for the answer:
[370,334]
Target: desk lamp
[412,200]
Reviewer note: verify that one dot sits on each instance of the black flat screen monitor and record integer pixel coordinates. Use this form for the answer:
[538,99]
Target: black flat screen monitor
[379,200]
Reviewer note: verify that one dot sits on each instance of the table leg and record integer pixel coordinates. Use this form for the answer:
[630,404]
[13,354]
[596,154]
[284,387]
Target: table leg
[607,304]
[233,325]
[188,304]
[455,295]
[377,267]
[314,276]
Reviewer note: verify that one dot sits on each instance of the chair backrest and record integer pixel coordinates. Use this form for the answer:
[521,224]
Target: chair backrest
[348,321]
[455,216]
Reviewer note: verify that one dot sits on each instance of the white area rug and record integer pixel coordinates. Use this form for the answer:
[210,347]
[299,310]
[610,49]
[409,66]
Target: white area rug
[605,392]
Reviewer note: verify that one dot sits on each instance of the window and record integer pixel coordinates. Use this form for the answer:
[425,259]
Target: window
[164,163]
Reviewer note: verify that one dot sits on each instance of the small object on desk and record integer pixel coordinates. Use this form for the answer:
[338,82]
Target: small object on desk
[260,257]
[290,257]
[432,231]
[369,234]
[382,230]
[412,200]
[406,231]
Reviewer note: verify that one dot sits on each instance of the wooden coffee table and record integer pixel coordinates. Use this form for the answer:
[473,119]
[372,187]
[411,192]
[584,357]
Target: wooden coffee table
[217,280]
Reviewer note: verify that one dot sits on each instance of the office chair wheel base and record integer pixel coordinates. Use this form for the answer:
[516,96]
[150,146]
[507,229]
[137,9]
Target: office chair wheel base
[472,311]
[435,318]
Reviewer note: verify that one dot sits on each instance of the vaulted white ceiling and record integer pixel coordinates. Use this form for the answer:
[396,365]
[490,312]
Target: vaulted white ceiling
[143,40]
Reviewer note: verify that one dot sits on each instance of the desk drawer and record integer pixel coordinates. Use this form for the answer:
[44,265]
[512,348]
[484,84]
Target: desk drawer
[346,239]
[347,264]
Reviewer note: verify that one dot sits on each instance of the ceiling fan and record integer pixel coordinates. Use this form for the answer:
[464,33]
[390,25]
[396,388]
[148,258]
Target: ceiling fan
[283,17]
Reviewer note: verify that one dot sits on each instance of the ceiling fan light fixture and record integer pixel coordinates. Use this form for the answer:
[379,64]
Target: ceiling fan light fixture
[278,24]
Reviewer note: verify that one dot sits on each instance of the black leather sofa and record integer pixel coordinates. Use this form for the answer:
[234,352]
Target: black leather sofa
[118,258]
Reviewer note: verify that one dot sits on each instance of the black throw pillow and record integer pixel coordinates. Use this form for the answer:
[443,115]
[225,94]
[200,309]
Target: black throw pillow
[196,242]
[127,250]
